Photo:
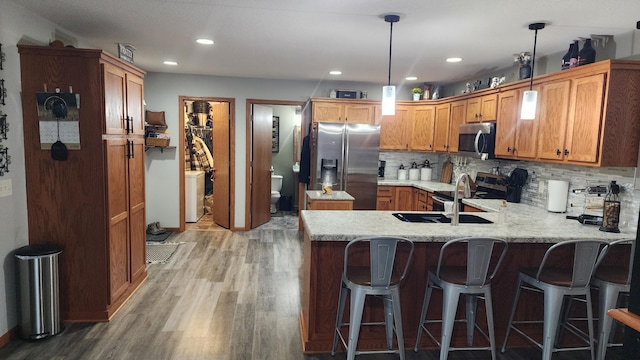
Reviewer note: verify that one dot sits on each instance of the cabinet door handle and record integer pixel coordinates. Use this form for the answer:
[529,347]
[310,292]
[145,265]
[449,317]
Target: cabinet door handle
[558,152]
[131,124]
[508,149]
[133,153]
[566,152]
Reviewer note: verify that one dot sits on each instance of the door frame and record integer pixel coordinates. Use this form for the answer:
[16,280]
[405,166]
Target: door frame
[249,146]
[232,152]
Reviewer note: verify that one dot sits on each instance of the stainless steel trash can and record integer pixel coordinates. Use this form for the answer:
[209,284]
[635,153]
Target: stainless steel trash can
[38,295]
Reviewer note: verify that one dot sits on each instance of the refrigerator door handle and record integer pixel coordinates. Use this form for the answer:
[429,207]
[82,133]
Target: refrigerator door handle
[345,158]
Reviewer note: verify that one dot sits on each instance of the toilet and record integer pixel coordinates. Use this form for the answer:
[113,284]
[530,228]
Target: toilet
[276,186]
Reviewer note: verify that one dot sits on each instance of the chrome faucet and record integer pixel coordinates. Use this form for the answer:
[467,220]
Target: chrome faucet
[456,208]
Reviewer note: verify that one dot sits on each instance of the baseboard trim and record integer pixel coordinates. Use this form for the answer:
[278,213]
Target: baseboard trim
[11,334]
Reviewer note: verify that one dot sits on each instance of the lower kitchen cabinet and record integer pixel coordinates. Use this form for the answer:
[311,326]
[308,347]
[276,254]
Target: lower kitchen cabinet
[329,204]
[403,198]
[469,208]
[385,198]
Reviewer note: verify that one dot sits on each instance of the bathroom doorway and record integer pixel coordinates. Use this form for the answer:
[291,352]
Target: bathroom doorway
[277,144]
[205,145]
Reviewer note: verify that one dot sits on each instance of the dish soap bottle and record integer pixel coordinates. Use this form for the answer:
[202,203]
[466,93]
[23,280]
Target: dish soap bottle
[611,209]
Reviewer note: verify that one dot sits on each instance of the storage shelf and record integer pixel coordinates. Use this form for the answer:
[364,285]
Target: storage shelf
[147,147]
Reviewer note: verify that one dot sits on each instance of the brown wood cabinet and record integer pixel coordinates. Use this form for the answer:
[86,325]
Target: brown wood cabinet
[329,204]
[469,208]
[403,198]
[423,127]
[586,115]
[482,108]
[515,138]
[334,110]
[385,198]
[422,200]
[441,131]
[552,118]
[92,204]
[458,111]
[395,130]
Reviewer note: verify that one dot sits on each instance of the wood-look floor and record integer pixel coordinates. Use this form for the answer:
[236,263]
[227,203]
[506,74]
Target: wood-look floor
[222,295]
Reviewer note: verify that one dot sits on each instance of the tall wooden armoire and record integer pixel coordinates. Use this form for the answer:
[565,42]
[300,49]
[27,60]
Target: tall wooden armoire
[93,203]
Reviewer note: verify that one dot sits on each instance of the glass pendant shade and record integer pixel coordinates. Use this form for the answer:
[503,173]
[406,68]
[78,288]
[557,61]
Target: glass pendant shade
[388,100]
[529,102]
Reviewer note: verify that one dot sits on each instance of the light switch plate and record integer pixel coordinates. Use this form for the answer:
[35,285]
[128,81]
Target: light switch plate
[5,188]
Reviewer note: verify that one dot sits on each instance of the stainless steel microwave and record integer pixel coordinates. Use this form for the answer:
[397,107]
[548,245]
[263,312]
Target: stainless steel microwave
[477,140]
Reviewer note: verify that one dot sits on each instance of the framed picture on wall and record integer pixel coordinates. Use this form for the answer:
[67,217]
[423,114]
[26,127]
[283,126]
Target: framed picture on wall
[275,135]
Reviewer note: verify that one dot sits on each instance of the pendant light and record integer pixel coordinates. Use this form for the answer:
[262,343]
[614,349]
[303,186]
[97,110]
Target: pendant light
[389,92]
[530,97]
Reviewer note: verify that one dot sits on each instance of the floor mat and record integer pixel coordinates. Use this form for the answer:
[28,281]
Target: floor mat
[159,237]
[160,253]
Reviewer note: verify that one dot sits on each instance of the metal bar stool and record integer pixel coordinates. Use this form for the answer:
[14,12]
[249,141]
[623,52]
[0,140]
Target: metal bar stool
[612,281]
[556,284]
[381,278]
[470,280]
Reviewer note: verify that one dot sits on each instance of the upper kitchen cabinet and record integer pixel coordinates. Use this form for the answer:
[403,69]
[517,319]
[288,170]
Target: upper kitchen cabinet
[350,111]
[458,111]
[552,118]
[515,138]
[449,117]
[423,127]
[93,203]
[395,130]
[591,115]
[123,101]
[482,107]
[441,131]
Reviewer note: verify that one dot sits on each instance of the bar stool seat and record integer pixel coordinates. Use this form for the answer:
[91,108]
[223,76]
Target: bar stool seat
[471,280]
[382,278]
[557,284]
[613,281]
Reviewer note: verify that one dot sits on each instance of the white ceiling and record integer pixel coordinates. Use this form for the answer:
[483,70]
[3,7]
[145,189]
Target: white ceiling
[304,39]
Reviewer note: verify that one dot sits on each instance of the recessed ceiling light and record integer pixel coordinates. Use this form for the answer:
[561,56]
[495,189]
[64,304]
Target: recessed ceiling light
[454,59]
[411,78]
[205,41]
[335,72]
[173,63]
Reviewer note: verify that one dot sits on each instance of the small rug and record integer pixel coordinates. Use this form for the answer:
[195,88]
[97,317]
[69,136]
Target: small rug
[159,237]
[160,253]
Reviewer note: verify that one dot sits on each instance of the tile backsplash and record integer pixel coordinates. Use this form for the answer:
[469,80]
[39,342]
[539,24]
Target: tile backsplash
[534,191]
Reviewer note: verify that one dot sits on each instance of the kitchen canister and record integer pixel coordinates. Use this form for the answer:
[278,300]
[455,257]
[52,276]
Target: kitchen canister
[558,192]
[402,174]
[414,174]
[425,174]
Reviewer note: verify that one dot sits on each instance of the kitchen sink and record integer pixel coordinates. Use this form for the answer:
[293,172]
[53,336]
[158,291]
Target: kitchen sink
[440,218]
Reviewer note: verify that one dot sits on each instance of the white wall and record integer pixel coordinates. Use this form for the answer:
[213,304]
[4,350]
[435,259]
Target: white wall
[17,25]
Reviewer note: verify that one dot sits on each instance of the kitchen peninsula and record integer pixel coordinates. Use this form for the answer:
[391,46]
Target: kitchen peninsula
[529,231]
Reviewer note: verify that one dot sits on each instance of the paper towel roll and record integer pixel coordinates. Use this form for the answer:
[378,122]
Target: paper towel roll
[402,174]
[414,174]
[425,174]
[557,196]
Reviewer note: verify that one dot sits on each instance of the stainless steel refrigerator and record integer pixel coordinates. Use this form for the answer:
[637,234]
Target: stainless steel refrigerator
[346,156]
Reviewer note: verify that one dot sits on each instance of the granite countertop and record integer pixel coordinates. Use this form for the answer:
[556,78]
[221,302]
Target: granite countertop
[430,186]
[523,224]
[335,195]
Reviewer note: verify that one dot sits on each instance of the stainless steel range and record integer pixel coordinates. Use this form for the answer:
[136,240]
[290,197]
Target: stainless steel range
[488,186]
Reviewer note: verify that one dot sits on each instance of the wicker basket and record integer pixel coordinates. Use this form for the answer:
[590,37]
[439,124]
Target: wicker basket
[157,142]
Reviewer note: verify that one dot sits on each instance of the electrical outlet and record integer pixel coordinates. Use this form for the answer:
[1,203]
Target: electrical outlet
[541,186]
[5,188]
